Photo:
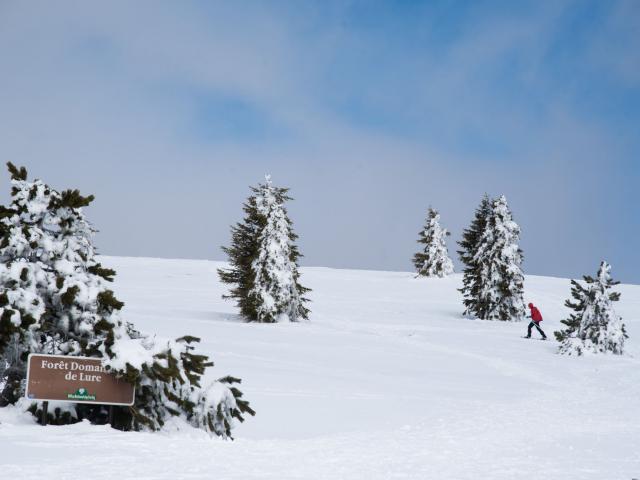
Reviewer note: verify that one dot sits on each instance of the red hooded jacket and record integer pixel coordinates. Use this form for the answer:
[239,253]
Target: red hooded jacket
[536,316]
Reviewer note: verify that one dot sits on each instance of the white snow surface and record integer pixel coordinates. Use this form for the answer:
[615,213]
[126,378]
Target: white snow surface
[386,381]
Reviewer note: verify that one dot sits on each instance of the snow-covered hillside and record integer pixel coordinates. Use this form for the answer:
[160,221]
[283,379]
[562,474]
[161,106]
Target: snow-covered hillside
[387,380]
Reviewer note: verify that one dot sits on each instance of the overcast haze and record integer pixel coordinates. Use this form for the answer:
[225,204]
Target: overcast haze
[369,111]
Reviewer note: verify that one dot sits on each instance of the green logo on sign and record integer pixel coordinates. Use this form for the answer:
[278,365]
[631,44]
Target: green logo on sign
[81,394]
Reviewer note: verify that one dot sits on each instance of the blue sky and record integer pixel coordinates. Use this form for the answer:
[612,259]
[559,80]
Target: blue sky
[369,111]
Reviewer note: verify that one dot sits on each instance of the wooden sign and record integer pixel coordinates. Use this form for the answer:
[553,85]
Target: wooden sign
[63,378]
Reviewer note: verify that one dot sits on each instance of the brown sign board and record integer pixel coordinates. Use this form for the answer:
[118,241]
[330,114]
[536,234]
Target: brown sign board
[63,378]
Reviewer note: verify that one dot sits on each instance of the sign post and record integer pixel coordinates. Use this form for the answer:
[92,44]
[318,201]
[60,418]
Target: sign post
[45,409]
[63,378]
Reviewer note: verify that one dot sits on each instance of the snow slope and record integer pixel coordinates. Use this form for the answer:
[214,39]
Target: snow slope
[386,381]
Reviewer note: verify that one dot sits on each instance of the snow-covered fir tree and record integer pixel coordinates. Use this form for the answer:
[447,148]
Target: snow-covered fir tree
[498,282]
[433,260]
[594,326]
[500,259]
[471,280]
[264,260]
[54,299]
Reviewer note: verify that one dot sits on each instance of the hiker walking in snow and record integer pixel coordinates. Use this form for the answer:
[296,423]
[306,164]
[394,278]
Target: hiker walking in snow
[536,318]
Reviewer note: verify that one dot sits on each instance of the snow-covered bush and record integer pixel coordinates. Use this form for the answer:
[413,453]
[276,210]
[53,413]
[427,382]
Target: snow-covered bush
[433,260]
[594,327]
[263,257]
[54,299]
[493,279]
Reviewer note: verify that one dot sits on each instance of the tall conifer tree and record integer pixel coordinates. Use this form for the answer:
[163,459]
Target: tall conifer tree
[493,282]
[433,260]
[593,326]
[499,261]
[471,280]
[264,260]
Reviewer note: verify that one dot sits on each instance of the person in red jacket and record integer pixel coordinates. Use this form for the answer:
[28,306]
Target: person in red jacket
[536,318]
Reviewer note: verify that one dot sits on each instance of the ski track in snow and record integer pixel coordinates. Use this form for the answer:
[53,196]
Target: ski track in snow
[387,381]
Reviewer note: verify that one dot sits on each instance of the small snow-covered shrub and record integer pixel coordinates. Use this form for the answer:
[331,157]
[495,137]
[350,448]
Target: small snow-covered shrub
[594,327]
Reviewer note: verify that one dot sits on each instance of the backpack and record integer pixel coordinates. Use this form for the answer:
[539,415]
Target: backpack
[536,316]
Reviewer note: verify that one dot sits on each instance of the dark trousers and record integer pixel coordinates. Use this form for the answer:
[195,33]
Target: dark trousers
[534,324]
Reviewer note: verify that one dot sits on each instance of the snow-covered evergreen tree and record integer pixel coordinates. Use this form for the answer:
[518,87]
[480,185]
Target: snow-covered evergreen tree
[499,259]
[242,253]
[54,299]
[472,279]
[594,327]
[433,260]
[263,257]
[496,283]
